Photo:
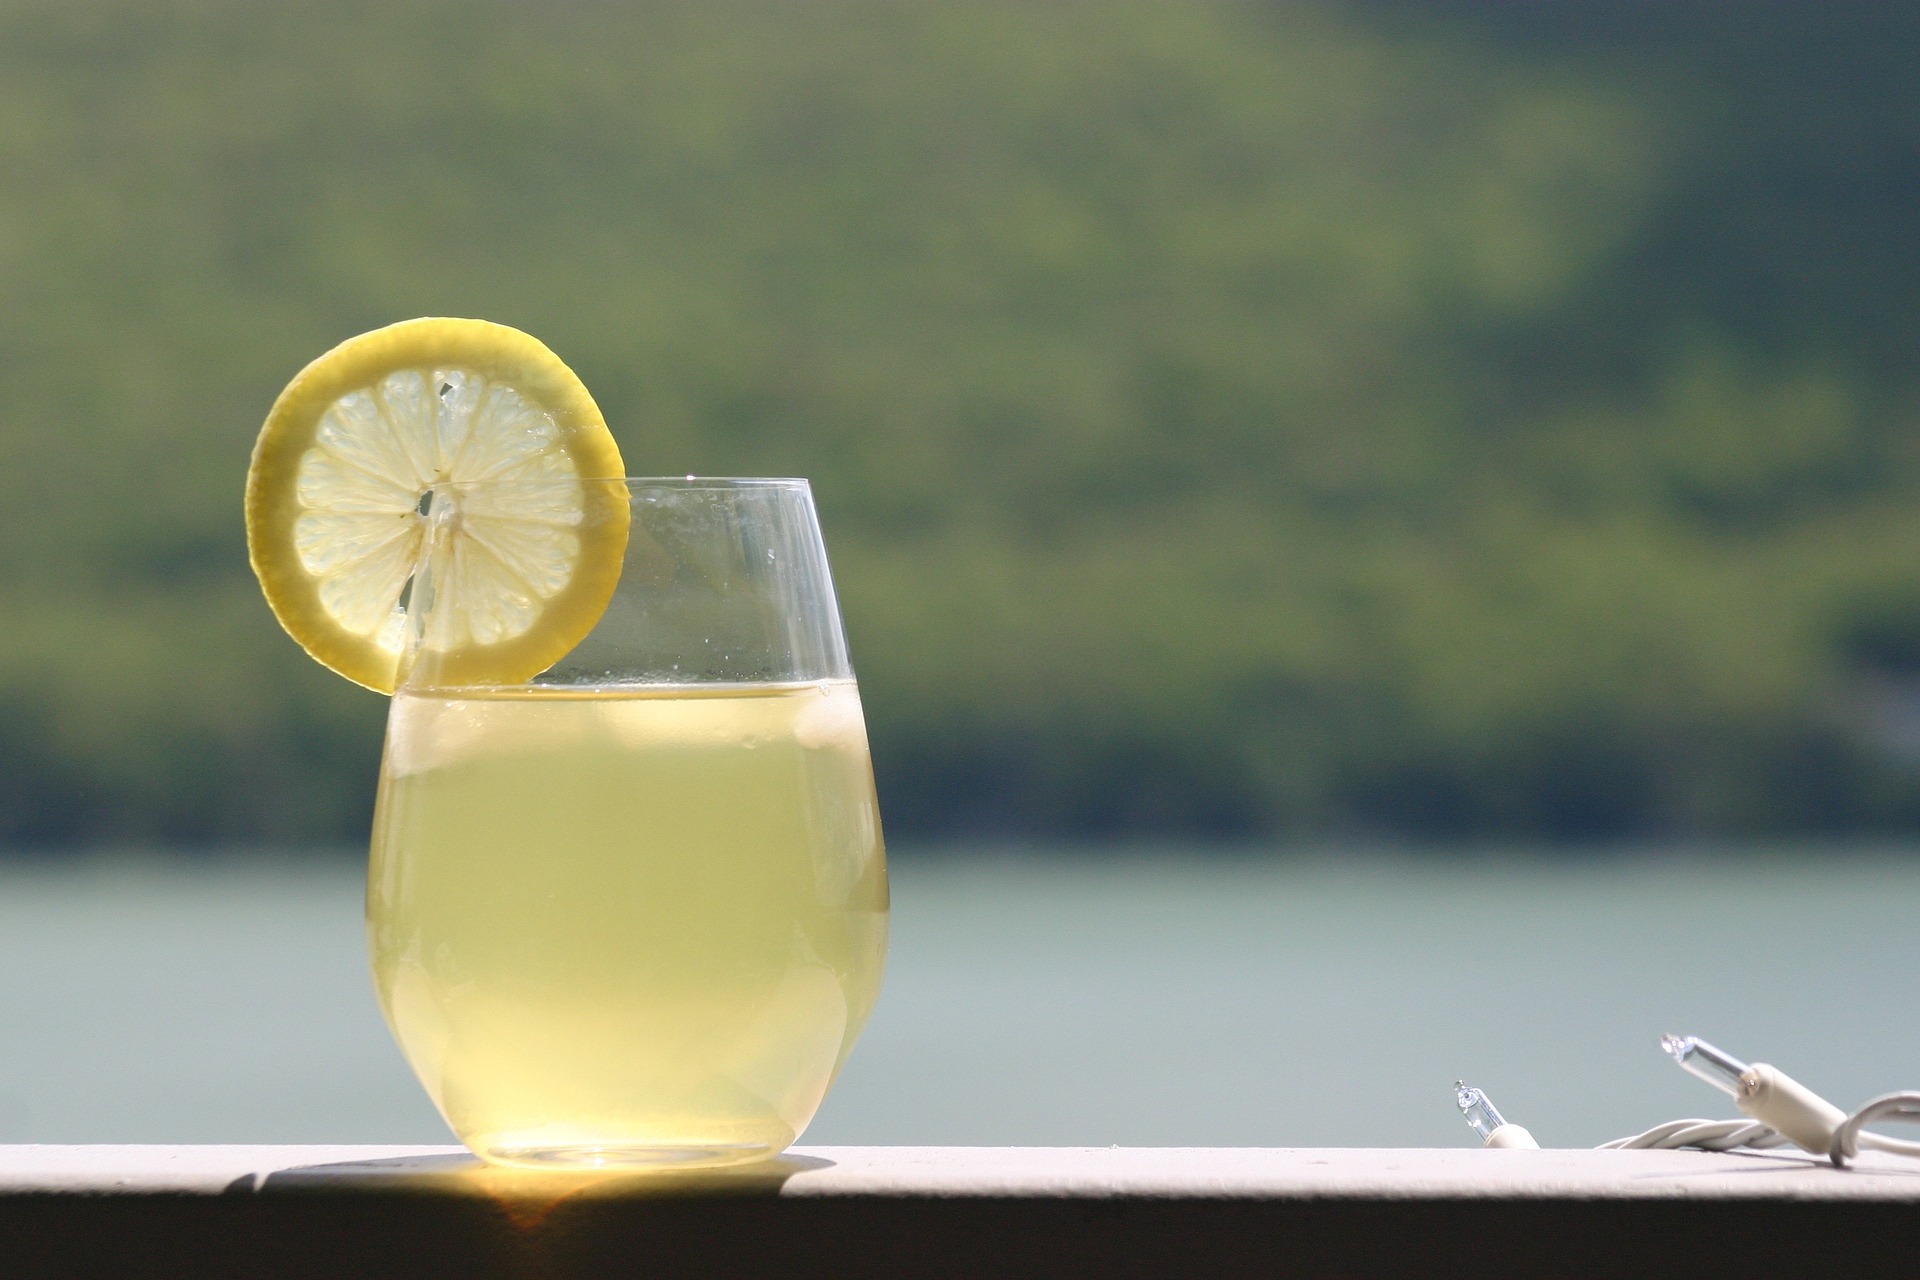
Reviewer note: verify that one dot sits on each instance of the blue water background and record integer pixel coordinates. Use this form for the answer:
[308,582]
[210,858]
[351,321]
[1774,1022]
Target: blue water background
[1137,997]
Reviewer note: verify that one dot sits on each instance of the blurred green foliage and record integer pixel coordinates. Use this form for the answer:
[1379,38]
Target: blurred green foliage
[1417,419]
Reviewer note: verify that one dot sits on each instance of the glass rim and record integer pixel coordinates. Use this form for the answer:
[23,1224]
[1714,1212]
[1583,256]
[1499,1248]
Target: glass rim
[640,482]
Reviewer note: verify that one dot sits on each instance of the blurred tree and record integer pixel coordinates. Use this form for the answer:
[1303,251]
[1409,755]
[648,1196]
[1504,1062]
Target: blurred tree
[1366,418]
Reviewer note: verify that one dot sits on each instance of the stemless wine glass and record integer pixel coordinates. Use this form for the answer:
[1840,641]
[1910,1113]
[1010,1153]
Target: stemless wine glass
[633,911]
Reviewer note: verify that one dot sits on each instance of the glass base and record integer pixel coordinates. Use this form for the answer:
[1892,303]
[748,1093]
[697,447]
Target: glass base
[629,1159]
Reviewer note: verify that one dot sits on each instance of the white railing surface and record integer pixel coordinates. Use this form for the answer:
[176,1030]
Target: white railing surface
[902,1212]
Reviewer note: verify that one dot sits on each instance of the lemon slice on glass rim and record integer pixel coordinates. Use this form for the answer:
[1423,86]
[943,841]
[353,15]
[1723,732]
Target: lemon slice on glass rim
[456,457]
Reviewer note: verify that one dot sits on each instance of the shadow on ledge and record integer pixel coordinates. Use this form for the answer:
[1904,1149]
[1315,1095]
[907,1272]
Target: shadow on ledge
[460,1173]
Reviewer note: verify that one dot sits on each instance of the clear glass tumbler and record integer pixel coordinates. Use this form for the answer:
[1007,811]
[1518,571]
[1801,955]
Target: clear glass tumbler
[633,911]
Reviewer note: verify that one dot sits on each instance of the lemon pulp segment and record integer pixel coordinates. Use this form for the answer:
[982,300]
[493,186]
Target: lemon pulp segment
[456,456]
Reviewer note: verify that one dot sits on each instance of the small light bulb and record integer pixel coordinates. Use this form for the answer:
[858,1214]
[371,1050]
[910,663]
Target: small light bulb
[1697,1057]
[1478,1109]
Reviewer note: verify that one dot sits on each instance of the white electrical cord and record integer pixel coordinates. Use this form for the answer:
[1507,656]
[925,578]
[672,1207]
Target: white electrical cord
[1783,1112]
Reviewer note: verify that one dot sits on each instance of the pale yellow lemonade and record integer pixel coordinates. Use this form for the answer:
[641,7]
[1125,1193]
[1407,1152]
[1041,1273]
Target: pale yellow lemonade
[641,923]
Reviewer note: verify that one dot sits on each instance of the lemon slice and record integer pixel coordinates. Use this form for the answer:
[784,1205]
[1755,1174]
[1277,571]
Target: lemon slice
[454,461]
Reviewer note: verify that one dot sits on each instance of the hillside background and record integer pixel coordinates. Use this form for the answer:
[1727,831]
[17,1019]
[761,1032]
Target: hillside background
[1385,420]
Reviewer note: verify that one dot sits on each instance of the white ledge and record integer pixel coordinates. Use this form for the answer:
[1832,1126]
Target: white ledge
[1047,1173]
[955,1213]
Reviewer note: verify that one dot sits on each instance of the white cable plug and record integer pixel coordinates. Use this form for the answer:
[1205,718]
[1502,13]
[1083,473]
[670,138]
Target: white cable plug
[1783,1111]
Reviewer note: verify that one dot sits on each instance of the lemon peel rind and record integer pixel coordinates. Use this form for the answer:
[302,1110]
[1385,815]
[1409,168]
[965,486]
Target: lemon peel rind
[498,353]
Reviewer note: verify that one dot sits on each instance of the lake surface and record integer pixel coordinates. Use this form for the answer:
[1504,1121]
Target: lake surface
[1267,998]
